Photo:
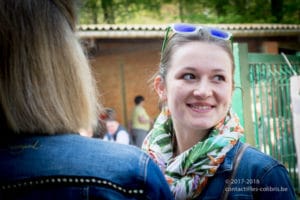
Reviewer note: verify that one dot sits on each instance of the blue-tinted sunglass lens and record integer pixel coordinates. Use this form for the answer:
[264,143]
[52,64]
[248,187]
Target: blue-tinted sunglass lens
[219,34]
[184,28]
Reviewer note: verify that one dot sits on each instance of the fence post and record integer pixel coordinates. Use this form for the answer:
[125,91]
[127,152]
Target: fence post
[241,100]
[295,103]
[123,94]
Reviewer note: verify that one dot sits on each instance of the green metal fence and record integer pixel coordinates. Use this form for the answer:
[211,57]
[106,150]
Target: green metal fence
[267,78]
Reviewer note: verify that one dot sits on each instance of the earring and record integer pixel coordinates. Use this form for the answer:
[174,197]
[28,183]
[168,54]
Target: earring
[165,110]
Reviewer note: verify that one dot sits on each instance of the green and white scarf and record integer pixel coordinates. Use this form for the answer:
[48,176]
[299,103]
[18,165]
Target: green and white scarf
[188,173]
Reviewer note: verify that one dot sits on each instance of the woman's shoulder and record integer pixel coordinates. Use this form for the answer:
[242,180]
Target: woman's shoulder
[110,150]
[92,154]
[259,164]
[90,159]
[254,155]
[267,172]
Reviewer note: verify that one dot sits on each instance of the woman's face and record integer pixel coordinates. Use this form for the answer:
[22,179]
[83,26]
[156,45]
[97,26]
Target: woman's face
[112,126]
[198,86]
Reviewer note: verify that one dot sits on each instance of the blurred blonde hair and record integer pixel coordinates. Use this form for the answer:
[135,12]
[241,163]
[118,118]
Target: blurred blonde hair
[46,85]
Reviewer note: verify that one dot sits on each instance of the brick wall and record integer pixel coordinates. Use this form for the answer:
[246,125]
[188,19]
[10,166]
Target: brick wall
[122,69]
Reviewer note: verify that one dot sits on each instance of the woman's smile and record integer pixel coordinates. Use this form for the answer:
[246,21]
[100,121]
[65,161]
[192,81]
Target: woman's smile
[201,107]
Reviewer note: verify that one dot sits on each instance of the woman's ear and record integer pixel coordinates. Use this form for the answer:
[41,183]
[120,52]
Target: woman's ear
[160,87]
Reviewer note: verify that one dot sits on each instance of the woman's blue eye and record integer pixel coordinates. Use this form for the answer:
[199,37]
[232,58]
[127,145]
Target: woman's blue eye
[219,78]
[188,76]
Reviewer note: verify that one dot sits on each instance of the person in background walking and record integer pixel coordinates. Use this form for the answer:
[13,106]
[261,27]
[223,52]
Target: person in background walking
[47,94]
[140,121]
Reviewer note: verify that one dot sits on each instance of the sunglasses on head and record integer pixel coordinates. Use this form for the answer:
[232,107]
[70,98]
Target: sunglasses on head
[189,29]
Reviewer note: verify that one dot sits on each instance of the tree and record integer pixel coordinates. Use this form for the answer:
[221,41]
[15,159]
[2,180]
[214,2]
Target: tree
[276,9]
[89,12]
[193,11]
[108,11]
[112,11]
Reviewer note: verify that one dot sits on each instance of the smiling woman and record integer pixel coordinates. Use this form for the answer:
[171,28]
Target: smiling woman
[197,135]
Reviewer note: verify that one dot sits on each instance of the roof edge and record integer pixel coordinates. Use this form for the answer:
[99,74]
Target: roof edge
[158,31]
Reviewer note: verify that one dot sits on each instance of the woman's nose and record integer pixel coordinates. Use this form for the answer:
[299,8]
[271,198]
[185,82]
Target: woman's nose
[203,89]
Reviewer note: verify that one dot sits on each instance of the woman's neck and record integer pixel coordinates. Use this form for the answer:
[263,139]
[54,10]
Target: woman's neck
[185,139]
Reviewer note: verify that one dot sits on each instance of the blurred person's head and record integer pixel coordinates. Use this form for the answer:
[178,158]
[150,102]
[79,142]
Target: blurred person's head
[139,99]
[112,126]
[111,122]
[46,85]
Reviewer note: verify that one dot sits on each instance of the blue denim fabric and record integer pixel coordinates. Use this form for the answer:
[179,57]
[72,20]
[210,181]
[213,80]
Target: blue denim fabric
[258,177]
[75,167]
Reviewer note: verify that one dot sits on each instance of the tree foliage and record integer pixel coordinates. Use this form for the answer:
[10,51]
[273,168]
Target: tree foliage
[193,11]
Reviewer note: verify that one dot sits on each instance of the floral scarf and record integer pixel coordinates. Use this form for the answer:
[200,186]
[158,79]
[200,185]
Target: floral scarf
[188,172]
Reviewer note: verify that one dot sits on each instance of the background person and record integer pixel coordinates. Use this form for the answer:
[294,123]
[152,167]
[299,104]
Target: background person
[115,131]
[141,122]
[196,137]
[47,94]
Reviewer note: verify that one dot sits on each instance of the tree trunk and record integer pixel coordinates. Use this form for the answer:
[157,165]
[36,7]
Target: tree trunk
[276,9]
[108,11]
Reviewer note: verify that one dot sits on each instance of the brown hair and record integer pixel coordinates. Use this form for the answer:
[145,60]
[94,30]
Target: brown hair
[46,84]
[178,40]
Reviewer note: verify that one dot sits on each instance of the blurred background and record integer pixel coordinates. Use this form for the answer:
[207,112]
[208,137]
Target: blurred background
[192,11]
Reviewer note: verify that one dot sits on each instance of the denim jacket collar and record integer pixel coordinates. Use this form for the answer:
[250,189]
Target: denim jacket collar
[227,165]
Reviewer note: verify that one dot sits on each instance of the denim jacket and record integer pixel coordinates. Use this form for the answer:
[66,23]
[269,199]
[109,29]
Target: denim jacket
[74,167]
[258,177]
